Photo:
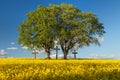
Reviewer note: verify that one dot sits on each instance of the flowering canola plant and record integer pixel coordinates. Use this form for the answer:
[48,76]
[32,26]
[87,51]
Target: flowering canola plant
[40,69]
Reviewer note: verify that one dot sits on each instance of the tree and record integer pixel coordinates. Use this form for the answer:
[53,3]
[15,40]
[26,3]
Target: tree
[36,31]
[75,27]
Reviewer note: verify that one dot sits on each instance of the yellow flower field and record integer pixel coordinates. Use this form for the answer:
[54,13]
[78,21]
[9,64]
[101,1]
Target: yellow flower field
[40,69]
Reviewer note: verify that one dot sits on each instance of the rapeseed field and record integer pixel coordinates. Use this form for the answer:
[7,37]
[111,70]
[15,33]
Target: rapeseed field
[41,69]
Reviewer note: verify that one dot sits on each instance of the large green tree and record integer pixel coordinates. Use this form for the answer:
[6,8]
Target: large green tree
[36,31]
[75,27]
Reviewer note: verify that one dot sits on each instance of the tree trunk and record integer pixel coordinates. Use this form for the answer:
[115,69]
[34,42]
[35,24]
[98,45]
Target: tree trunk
[65,54]
[47,55]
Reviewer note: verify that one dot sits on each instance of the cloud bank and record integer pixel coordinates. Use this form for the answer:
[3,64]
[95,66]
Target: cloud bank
[24,47]
[60,56]
[102,55]
[2,52]
[12,48]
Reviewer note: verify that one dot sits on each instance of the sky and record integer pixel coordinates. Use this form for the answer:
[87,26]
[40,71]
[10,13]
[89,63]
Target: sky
[13,12]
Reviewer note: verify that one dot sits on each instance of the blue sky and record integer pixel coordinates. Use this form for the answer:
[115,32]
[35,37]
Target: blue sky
[13,12]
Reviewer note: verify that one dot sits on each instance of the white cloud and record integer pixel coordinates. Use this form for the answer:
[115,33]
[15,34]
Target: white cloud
[2,52]
[100,39]
[54,55]
[102,56]
[41,51]
[24,47]
[59,56]
[12,43]
[12,48]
